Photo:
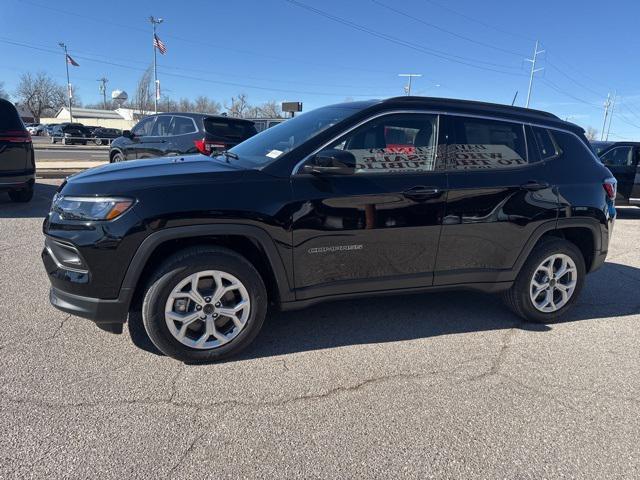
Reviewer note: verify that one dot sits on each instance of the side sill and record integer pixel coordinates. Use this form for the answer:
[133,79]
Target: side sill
[493,287]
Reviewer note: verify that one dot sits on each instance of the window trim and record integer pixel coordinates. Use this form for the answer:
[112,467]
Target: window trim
[296,170]
[556,146]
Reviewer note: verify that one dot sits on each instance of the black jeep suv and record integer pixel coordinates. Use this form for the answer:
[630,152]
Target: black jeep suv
[368,198]
[17,160]
[171,134]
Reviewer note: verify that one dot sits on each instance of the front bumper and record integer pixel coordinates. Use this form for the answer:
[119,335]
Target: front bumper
[105,313]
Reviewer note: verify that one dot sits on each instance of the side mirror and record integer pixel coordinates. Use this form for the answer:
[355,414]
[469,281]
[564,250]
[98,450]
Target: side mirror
[331,162]
[128,134]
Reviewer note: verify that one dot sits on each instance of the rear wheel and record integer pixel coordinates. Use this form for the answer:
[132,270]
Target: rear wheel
[204,304]
[98,141]
[549,282]
[22,196]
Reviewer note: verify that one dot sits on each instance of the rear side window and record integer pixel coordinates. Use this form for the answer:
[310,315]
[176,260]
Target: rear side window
[182,126]
[9,118]
[486,144]
[229,129]
[546,144]
[570,145]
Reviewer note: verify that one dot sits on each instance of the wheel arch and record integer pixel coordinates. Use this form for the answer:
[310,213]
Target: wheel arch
[113,151]
[252,242]
[582,232]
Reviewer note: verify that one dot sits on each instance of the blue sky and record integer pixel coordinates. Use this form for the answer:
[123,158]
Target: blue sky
[277,50]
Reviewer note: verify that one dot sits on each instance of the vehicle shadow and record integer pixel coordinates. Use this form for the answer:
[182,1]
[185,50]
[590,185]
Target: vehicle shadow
[608,293]
[38,207]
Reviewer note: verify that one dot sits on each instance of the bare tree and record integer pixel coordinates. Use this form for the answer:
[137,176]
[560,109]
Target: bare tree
[204,104]
[591,133]
[270,109]
[143,97]
[39,94]
[3,92]
[238,106]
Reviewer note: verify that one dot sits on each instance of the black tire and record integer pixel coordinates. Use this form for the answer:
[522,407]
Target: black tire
[98,141]
[22,196]
[517,297]
[178,267]
[117,158]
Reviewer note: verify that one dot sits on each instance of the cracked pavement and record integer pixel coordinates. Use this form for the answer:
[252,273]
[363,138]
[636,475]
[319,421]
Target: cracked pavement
[426,386]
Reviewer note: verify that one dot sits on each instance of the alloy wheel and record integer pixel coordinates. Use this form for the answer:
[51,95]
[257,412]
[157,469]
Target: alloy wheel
[207,309]
[553,283]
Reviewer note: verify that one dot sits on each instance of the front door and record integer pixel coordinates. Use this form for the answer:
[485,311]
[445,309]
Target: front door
[378,228]
[155,143]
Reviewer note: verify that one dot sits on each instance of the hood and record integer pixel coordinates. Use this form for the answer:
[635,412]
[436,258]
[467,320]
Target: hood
[139,174]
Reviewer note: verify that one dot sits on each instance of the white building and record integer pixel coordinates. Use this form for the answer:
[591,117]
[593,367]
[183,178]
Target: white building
[121,118]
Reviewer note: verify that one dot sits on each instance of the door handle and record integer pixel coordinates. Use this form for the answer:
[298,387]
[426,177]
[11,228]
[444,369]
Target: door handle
[422,193]
[533,185]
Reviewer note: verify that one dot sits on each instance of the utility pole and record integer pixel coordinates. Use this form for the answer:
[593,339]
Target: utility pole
[69,92]
[607,104]
[533,60]
[407,89]
[155,21]
[103,90]
[613,104]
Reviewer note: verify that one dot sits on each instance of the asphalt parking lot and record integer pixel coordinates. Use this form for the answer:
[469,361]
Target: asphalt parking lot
[427,386]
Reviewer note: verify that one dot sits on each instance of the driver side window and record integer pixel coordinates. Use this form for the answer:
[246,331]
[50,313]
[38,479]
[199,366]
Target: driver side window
[399,143]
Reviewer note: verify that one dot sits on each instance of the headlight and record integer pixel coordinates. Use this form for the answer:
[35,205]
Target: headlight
[90,208]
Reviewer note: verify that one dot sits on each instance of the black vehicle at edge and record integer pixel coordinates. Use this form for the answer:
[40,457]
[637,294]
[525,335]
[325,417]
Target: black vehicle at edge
[623,159]
[17,159]
[170,134]
[404,195]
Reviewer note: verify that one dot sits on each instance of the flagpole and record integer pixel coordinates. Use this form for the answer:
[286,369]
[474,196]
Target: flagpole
[155,21]
[66,64]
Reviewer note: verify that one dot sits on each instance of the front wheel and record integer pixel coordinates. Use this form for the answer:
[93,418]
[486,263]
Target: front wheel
[549,282]
[98,141]
[204,304]
[117,158]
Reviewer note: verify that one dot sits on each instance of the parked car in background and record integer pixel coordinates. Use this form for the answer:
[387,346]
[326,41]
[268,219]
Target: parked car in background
[365,198]
[17,160]
[168,134]
[48,128]
[623,159]
[600,146]
[35,129]
[105,135]
[69,134]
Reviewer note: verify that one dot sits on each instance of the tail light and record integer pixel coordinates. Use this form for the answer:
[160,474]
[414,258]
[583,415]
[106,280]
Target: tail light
[610,186]
[15,136]
[207,147]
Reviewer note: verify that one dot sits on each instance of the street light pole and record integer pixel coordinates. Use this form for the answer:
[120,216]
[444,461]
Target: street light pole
[155,21]
[407,89]
[66,64]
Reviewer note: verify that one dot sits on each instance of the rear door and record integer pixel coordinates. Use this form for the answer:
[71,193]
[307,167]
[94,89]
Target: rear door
[498,195]
[182,132]
[15,144]
[622,161]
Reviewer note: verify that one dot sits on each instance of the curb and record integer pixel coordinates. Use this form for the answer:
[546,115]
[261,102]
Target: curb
[57,173]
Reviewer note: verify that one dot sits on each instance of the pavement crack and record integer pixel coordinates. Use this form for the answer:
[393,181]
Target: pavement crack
[498,360]
[188,450]
[58,330]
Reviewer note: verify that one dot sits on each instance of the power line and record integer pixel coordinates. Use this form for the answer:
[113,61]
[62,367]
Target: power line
[559,90]
[398,41]
[438,27]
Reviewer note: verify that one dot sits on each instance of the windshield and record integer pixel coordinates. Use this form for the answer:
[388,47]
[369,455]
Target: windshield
[280,139]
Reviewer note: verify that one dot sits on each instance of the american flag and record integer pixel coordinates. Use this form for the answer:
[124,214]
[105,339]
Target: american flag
[159,45]
[71,61]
